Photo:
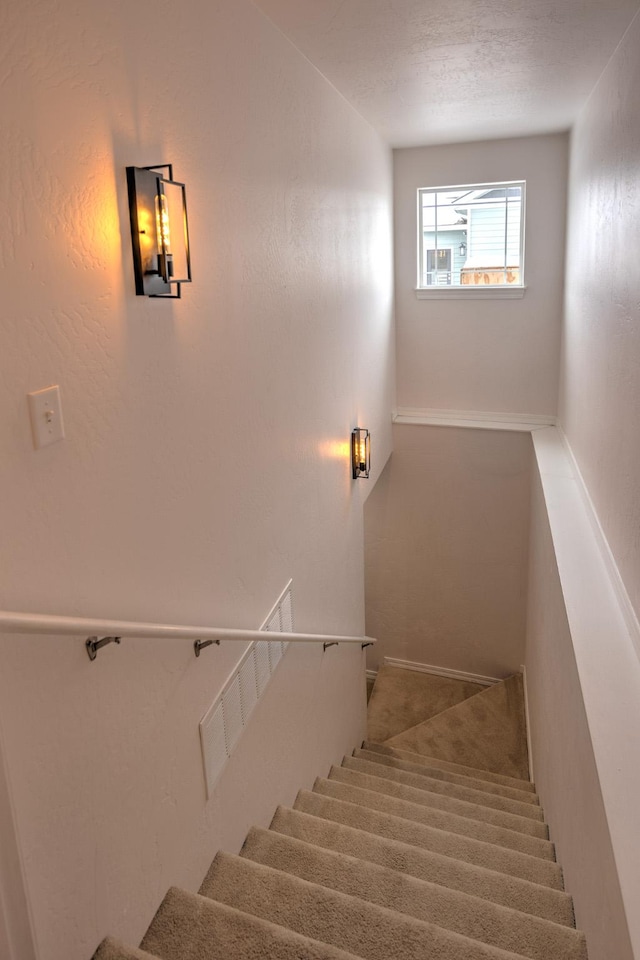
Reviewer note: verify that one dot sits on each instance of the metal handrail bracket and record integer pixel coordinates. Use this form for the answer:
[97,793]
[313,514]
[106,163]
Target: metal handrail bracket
[199,645]
[93,645]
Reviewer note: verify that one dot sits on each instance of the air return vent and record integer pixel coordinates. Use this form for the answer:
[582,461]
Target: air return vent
[222,725]
[263,666]
[248,687]
[214,749]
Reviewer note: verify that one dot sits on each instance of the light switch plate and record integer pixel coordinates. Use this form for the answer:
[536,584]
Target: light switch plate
[46,416]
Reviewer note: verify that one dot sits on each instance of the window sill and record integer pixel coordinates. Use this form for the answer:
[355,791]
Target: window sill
[475,292]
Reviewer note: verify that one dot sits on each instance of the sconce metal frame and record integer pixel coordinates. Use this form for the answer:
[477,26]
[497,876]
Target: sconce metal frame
[154,267]
[360,453]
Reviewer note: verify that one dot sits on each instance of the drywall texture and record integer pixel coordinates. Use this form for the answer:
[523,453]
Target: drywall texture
[565,771]
[207,438]
[425,73]
[446,540]
[600,392]
[206,457]
[107,775]
[493,355]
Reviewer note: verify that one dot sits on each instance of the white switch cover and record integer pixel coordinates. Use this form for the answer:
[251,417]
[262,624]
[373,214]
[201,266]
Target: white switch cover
[46,416]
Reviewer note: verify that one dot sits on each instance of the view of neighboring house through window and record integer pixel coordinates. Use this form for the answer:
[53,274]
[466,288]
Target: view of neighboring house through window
[471,235]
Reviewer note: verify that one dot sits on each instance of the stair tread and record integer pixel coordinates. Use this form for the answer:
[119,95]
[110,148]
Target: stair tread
[403,698]
[366,929]
[463,808]
[506,890]
[478,852]
[422,782]
[525,785]
[462,913]
[436,773]
[191,926]
[486,731]
[441,819]
[401,851]
[112,949]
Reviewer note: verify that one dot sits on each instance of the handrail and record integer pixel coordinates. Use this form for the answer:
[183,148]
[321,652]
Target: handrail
[114,630]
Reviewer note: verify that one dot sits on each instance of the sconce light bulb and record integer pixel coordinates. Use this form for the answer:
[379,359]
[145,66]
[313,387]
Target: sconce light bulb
[162,223]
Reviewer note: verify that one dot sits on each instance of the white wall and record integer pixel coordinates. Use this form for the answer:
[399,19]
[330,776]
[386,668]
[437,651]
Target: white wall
[583,681]
[600,394]
[446,550]
[107,775]
[206,438]
[599,408]
[492,355]
[206,458]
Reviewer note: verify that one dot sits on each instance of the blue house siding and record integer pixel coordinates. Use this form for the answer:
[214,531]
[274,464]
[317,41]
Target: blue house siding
[487,236]
[447,240]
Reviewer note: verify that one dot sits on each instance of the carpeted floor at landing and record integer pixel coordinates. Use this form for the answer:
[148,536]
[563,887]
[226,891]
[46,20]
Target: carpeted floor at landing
[486,728]
[428,843]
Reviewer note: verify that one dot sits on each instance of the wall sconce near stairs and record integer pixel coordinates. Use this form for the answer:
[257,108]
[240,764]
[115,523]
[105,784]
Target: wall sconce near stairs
[159,231]
[360,453]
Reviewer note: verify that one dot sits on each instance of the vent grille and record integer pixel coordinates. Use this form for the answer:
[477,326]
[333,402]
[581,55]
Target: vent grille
[232,712]
[275,654]
[263,667]
[223,724]
[286,615]
[214,748]
[248,687]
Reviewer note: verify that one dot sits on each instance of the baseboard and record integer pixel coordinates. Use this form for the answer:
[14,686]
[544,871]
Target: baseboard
[523,670]
[371,675]
[441,672]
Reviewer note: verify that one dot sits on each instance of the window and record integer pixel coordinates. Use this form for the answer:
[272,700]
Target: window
[471,239]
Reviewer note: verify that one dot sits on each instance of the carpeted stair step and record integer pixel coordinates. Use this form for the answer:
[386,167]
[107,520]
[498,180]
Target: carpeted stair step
[365,929]
[404,698]
[486,731]
[111,949]
[477,852]
[470,916]
[421,782]
[541,901]
[440,819]
[459,768]
[435,773]
[462,808]
[192,927]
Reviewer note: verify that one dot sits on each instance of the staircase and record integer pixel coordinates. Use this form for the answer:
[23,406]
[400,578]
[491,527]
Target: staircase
[401,852]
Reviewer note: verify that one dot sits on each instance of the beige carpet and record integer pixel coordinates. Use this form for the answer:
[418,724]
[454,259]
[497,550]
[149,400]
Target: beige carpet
[487,730]
[394,854]
[404,698]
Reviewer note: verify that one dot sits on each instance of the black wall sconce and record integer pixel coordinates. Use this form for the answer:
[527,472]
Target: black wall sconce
[463,249]
[159,231]
[360,452]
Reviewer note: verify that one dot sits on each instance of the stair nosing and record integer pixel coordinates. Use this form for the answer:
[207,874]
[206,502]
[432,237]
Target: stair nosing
[524,786]
[384,784]
[502,881]
[489,908]
[490,849]
[268,926]
[483,786]
[422,782]
[460,822]
[413,925]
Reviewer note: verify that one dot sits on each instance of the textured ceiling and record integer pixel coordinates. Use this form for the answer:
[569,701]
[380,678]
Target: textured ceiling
[440,71]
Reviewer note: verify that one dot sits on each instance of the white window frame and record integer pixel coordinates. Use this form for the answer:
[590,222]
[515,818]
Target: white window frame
[471,291]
